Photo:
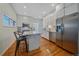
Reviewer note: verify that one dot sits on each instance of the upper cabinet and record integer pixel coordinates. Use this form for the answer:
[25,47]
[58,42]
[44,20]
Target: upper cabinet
[59,7]
[66,9]
[46,22]
[52,23]
[59,11]
[68,4]
[72,8]
[49,21]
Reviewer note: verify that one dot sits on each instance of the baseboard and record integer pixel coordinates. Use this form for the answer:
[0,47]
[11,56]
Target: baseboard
[44,38]
[35,49]
[7,48]
[49,40]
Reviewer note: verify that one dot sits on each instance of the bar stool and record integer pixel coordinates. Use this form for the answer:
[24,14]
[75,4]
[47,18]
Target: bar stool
[20,38]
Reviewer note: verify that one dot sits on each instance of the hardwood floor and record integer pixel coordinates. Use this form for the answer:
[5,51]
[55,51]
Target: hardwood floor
[47,48]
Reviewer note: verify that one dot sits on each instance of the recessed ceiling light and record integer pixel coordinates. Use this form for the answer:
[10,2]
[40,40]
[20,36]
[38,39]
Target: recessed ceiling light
[24,17]
[44,12]
[24,12]
[39,16]
[53,4]
[24,6]
[35,17]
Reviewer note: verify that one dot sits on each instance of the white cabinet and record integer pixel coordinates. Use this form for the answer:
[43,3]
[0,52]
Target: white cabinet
[69,4]
[60,13]
[53,22]
[49,21]
[43,22]
[66,9]
[45,34]
[33,41]
[59,7]
[74,8]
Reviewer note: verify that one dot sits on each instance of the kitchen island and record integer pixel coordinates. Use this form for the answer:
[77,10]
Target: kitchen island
[33,40]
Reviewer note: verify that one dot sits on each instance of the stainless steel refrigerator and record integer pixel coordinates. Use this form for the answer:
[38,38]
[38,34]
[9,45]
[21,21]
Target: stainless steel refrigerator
[67,33]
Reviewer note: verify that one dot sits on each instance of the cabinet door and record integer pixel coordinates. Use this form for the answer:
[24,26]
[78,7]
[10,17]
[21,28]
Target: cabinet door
[44,22]
[59,7]
[52,36]
[68,4]
[45,34]
[70,33]
[53,23]
[60,13]
[71,9]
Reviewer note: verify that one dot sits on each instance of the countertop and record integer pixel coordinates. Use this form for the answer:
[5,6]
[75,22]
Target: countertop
[31,33]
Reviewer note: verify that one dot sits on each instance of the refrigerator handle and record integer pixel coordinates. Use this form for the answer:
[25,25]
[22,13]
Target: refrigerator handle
[56,28]
[62,28]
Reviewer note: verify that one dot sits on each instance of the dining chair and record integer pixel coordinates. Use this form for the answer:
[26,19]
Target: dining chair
[20,38]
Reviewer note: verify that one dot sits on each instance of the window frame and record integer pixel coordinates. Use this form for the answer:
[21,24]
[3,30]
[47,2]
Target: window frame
[11,22]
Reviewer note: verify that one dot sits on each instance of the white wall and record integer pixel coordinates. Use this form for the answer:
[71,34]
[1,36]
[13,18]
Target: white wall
[29,20]
[6,33]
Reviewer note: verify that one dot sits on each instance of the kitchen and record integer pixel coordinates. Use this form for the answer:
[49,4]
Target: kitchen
[57,25]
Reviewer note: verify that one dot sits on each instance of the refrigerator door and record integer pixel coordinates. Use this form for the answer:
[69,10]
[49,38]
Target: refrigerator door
[59,32]
[70,33]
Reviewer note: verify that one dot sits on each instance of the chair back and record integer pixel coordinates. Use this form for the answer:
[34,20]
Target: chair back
[16,35]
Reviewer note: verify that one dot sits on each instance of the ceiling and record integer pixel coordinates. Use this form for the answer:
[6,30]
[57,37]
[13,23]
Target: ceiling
[36,10]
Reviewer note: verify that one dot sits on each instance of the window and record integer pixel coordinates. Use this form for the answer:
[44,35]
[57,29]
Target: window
[11,22]
[6,21]
[14,23]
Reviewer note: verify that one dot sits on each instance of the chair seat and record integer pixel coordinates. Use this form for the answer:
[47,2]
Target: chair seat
[22,37]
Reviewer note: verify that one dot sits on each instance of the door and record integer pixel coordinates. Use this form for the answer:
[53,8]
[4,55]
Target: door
[59,32]
[70,33]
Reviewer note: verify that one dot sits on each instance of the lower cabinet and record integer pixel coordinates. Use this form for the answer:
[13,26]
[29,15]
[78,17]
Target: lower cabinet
[52,36]
[45,34]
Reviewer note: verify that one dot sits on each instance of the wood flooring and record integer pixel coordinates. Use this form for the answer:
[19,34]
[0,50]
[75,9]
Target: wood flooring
[47,48]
